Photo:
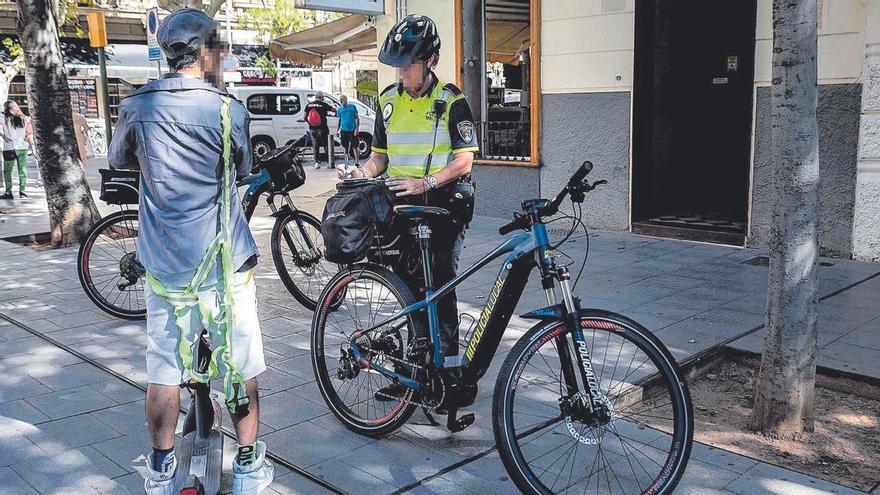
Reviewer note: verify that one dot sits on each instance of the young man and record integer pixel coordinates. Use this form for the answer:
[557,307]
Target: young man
[316,117]
[425,150]
[174,130]
[349,125]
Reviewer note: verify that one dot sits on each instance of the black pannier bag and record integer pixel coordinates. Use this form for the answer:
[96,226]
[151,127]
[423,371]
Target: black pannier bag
[351,218]
[120,187]
[284,167]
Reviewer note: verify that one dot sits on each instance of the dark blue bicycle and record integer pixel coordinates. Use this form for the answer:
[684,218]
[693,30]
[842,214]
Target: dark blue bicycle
[587,401]
[113,278]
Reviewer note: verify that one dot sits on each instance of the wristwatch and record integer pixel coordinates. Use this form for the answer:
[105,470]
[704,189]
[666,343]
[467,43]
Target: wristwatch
[432,182]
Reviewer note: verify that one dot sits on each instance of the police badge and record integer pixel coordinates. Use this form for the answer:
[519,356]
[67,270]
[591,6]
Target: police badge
[387,111]
[466,131]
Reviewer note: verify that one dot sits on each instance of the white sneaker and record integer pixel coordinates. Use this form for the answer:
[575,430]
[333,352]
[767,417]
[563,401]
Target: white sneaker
[159,483]
[317,166]
[253,478]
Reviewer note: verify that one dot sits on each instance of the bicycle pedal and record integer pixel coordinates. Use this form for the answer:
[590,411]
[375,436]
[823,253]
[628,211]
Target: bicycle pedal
[456,425]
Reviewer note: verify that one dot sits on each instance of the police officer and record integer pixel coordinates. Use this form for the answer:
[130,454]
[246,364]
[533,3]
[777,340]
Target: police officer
[425,142]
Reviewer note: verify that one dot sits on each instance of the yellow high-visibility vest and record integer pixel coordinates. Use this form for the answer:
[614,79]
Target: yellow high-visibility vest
[412,130]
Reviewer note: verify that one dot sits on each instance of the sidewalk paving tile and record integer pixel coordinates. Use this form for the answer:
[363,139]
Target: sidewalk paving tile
[20,387]
[80,318]
[851,358]
[118,391]
[75,375]
[22,411]
[15,447]
[124,419]
[12,484]
[287,409]
[126,451]
[70,402]
[70,471]
[766,478]
[308,444]
[293,484]
[274,380]
[71,433]
[350,479]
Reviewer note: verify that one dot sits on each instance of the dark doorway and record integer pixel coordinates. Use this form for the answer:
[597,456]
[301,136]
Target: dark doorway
[692,116]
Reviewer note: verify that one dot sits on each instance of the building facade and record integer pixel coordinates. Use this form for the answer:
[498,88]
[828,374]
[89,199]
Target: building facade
[670,99]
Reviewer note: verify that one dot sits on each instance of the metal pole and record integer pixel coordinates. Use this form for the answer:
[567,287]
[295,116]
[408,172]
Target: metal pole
[108,123]
[229,24]
[473,64]
[331,155]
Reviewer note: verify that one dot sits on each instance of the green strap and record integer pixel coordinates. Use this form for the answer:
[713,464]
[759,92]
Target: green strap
[216,304]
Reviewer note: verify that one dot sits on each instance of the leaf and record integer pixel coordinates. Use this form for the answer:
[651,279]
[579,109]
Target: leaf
[368,88]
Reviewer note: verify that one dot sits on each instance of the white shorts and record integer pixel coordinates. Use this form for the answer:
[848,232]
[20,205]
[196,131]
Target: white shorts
[164,366]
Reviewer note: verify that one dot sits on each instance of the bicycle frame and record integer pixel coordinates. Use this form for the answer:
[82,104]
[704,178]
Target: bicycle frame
[257,185]
[500,304]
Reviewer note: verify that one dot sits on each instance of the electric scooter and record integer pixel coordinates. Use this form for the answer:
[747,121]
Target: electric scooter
[200,452]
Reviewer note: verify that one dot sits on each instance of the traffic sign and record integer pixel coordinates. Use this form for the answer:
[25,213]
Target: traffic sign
[231,63]
[97,29]
[152,29]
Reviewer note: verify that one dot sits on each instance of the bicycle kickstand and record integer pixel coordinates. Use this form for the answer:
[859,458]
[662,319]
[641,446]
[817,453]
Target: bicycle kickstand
[455,424]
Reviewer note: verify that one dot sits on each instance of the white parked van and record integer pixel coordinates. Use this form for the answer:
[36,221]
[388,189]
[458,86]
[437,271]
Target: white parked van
[277,117]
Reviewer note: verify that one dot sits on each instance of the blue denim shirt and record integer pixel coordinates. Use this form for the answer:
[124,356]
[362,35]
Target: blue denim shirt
[170,129]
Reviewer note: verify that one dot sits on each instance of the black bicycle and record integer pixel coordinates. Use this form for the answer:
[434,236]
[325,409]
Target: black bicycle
[587,400]
[113,278]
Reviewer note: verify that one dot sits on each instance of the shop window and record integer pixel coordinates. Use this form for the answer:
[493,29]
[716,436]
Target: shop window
[509,128]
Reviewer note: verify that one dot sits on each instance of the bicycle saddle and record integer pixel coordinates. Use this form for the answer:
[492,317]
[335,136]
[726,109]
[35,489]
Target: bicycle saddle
[410,212]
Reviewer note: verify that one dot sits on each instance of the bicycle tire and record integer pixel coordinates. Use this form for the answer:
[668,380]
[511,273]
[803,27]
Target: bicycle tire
[510,443]
[92,286]
[314,276]
[329,303]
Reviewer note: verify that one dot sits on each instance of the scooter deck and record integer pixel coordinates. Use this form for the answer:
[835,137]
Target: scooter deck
[202,458]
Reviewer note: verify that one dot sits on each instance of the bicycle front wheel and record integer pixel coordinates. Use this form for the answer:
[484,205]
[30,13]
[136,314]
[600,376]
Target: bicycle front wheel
[549,441]
[298,253]
[108,268]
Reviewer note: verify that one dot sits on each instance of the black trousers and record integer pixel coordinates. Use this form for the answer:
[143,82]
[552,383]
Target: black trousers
[445,245]
[319,140]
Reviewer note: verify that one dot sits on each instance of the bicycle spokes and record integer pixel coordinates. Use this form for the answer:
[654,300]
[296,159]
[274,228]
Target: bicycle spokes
[614,435]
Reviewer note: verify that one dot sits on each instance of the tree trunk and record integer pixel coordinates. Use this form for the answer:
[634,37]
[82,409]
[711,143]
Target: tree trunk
[71,209]
[786,387]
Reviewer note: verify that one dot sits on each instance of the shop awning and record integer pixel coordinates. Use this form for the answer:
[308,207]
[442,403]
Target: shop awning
[354,33]
[505,39]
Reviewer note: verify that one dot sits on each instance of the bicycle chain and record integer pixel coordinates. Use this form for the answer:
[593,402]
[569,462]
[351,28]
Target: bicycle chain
[412,365]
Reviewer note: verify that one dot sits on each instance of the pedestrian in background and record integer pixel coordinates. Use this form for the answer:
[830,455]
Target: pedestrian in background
[17,135]
[316,117]
[349,125]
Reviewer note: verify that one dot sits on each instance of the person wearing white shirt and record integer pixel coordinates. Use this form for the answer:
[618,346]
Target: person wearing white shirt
[17,135]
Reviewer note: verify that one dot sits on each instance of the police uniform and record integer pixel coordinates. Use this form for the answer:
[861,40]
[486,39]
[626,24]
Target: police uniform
[409,132]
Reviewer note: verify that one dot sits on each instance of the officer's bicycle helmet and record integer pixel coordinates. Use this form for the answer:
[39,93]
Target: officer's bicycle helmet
[413,38]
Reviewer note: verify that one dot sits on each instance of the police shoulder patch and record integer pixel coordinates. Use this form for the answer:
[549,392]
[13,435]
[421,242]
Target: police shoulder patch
[452,88]
[466,131]
[387,110]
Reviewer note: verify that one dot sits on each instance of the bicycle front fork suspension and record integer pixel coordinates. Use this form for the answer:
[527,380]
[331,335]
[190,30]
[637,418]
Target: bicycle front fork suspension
[593,402]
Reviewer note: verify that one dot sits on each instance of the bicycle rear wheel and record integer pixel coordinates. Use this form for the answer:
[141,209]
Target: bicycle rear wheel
[108,268]
[298,253]
[355,299]
[550,445]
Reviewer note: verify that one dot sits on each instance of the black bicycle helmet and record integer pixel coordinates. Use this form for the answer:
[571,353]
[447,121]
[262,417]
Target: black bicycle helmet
[413,38]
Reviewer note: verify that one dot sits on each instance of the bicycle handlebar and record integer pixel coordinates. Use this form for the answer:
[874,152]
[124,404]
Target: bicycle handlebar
[575,183]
